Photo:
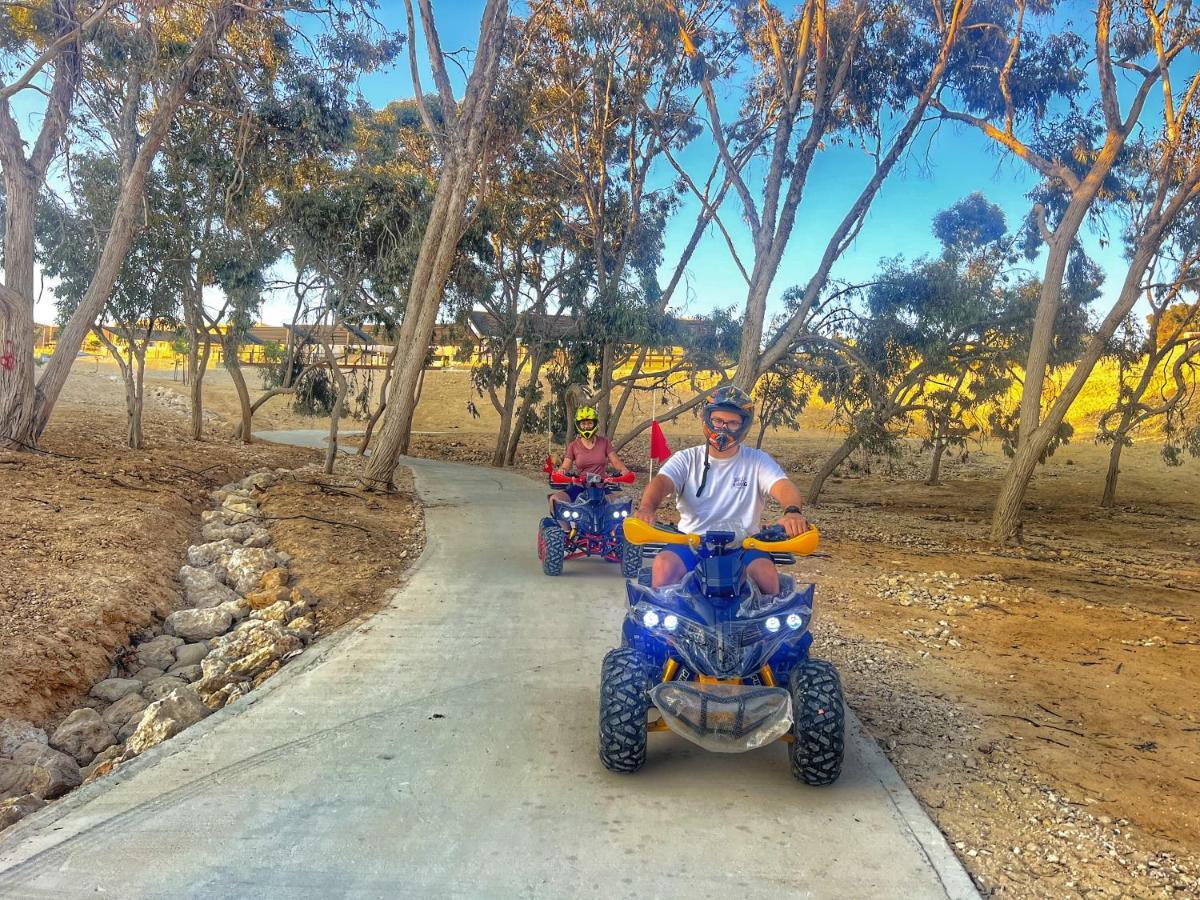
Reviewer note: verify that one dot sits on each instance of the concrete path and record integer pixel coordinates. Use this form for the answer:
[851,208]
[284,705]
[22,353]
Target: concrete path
[447,748]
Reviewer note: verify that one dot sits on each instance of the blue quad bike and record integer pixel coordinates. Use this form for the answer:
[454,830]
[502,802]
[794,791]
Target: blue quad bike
[718,663]
[590,525]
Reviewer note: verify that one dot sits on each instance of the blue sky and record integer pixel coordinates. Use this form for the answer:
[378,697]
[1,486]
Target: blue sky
[944,164]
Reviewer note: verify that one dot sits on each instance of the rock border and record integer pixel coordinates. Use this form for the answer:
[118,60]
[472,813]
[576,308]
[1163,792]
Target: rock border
[240,622]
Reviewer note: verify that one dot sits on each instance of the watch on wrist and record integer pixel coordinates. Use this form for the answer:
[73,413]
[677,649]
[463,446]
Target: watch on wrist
[793,509]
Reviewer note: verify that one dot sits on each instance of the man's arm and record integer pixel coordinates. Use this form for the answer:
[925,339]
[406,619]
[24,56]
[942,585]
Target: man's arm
[652,498]
[786,494]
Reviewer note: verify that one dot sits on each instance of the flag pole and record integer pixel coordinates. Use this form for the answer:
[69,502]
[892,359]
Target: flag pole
[653,417]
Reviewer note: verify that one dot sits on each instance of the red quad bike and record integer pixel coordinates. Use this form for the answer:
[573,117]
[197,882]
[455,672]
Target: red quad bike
[588,525]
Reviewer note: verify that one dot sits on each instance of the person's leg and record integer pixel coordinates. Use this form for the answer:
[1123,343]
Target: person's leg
[671,565]
[761,569]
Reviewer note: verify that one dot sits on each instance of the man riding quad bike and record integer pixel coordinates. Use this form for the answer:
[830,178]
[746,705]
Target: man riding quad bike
[585,520]
[713,632]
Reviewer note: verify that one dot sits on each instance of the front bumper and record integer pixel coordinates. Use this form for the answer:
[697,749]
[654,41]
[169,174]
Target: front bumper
[724,718]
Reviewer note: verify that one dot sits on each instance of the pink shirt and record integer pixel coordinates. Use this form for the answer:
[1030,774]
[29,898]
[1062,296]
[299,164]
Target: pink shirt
[589,462]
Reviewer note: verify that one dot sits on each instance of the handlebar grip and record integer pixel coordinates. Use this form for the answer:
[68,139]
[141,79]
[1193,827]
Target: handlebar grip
[638,532]
[801,545]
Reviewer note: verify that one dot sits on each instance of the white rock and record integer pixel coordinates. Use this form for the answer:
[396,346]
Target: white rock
[160,687]
[15,732]
[238,609]
[82,734]
[147,674]
[239,509]
[258,481]
[190,654]
[246,566]
[128,707]
[166,718]
[219,531]
[188,673]
[260,537]
[61,771]
[198,624]
[158,652]
[14,810]
[110,690]
[202,588]
[213,552]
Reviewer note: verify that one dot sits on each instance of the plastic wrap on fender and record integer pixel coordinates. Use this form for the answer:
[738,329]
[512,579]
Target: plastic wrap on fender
[724,718]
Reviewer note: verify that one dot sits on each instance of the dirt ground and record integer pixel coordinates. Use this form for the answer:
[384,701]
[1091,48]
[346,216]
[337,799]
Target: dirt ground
[1041,702]
[93,534]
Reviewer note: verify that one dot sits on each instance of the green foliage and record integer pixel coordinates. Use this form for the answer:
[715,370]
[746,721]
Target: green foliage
[71,238]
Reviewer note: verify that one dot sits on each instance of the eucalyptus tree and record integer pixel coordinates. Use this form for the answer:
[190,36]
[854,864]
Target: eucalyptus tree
[1158,365]
[857,71]
[138,69]
[934,339]
[461,138]
[1030,92]
[145,297]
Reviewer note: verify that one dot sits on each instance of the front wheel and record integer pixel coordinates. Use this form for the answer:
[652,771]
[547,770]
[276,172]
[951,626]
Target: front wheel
[631,559]
[553,547]
[624,703]
[819,731]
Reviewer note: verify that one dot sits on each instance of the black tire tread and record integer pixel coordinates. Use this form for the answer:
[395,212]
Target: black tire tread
[624,702]
[819,731]
[555,542]
[631,559]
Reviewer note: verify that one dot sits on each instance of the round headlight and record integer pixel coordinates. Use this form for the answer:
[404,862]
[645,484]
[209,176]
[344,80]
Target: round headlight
[617,515]
[624,513]
[794,621]
[650,619]
[670,622]
[772,624]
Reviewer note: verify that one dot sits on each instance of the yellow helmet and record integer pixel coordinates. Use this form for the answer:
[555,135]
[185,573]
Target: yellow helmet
[584,414]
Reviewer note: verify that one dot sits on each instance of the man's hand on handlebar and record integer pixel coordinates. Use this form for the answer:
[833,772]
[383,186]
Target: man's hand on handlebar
[793,523]
[645,515]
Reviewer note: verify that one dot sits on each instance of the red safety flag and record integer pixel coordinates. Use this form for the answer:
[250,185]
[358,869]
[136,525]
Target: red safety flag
[548,465]
[659,450]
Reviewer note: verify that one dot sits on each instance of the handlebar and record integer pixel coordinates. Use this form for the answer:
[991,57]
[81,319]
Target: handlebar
[557,477]
[638,532]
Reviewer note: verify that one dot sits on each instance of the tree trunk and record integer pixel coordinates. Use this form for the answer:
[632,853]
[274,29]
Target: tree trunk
[138,364]
[335,417]
[514,439]
[438,246]
[935,467]
[830,466]
[762,432]
[17,392]
[607,424]
[233,364]
[383,394]
[1109,499]
[1006,517]
[507,407]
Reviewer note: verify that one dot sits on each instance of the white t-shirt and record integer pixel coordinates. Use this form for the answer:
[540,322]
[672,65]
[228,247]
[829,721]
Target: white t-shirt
[736,490]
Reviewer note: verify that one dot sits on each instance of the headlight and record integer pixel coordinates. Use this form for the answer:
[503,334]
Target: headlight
[670,622]
[794,621]
[772,624]
[624,513]
[617,514]
[650,619]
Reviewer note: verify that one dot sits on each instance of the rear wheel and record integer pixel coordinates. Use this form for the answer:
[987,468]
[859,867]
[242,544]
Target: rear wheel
[624,702]
[553,549]
[820,726]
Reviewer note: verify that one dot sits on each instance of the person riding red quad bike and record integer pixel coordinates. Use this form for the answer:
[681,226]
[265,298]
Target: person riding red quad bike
[584,520]
[589,524]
